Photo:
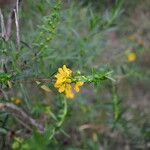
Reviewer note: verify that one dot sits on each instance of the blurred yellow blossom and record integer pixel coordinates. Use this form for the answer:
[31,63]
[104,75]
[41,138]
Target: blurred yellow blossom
[141,42]
[77,86]
[131,56]
[16,100]
[64,81]
[132,37]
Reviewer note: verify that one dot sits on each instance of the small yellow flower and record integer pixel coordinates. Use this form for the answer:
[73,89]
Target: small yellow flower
[17,101]
[78,85]
[132,37]
[63,81]
[131,56]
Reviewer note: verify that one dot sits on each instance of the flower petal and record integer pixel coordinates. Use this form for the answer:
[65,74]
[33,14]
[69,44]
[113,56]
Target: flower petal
[68,91]
[77,86]
[61,89]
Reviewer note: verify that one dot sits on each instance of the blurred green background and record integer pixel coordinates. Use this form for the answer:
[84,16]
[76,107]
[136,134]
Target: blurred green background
[90,35]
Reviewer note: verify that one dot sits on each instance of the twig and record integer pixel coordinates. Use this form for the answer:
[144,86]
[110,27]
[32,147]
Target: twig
[9,26]
[16,13]
[16,111]
[2,24]
[94,127]
[23,123]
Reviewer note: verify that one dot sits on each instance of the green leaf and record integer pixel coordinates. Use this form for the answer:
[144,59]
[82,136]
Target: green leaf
[43,87]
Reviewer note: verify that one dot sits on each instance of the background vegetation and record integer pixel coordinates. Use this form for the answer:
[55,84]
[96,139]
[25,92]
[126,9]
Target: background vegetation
[89,36]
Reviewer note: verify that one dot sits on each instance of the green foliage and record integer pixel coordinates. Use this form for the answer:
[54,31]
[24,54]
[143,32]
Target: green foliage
[96,76]
[116,105]
[55,33]
[59,119]
[4,77]
[47,30]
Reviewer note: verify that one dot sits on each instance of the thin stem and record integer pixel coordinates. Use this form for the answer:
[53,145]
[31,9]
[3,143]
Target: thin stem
[16,111]
[2,24]
[17,26]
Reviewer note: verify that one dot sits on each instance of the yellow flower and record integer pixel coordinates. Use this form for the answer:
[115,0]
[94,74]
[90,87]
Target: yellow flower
[131,56]
[77,86]
[63,81]
[17,101]
[132,37]
[68,91]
